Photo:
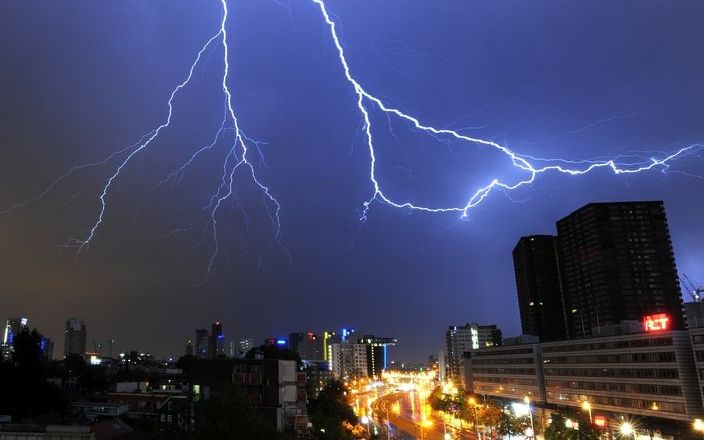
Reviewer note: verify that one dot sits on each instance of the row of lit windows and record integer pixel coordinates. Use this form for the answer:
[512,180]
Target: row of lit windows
[625,358]
[630,373]
[633,343]
[503,352]
[505,380]
[524,371]
[639,388]
[509,361]
[623,402]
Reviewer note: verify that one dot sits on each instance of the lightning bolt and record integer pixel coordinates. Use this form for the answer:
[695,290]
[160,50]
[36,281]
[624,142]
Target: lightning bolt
[364,98]
[240,145]
[236,158]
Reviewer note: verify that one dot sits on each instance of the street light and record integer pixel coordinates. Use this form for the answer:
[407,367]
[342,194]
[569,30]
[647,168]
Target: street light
[698,425]
[587,407]
[365,421]
[627,429]
[526,399]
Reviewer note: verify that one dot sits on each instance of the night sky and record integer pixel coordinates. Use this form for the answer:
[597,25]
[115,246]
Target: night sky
[80,79]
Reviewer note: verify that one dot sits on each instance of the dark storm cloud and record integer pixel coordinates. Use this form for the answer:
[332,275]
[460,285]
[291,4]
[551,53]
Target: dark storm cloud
[80,79]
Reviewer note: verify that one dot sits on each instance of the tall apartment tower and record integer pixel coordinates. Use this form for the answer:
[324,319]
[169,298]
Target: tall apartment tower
[617,264]
[216,348]
[540,298]
[75,337]
[464,339]
[202,343]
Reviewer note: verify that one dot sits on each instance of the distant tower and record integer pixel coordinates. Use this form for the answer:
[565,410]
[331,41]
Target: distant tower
[202,342]
[75,337]
[189,348]
[217,341]
[12,328]
[244,345]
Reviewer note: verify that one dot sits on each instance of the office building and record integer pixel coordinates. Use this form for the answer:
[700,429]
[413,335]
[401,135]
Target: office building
[216,346]
[75,337]
[625,375]
[466,338]
[202,347]
[377,353]
[540,298]
[512,371]
[617,264]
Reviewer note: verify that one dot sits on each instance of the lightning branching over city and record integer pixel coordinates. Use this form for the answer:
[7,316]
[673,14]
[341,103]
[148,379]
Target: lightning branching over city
[365,98]
[237,157]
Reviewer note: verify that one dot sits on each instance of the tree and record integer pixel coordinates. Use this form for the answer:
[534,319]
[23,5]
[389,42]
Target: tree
[489,417]
[330,411]
[230,416]
[510,425]
[558,430]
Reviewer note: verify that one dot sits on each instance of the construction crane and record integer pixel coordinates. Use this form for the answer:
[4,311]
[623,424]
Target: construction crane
[695,291]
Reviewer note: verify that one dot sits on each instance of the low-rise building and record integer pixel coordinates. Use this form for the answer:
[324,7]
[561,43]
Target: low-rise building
[510,371]
[643,374]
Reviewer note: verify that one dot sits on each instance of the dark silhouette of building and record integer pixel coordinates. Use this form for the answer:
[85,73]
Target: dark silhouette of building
[216,348]
[75,337]
[306,344]
[540,299]
[274,387]
[617,264]
[202,343]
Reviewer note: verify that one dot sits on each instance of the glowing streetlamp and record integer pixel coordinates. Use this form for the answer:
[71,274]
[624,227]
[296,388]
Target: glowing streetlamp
[587,407]
[698,425]
[526,399]
[365,421]
[627,429]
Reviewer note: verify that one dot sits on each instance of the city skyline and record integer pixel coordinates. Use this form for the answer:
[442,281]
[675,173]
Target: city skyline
[145,283]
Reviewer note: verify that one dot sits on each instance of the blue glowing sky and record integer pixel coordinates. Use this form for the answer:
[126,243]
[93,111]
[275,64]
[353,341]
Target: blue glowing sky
[549,79]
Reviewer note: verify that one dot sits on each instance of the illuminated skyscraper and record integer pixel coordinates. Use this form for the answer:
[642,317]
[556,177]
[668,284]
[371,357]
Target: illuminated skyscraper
[13,326]
[75,337]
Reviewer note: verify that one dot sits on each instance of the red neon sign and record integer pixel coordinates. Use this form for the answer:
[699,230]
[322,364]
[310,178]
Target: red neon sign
[656,323]
[600,421]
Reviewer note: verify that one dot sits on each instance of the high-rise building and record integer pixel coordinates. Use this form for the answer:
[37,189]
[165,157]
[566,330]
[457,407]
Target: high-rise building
[189,347]
[377,353]
[329,337]
[540,298]
[216,348]
[617,264]
[75,337]
[306,344]
[348,359]
[46,346]
[466,338]
[244,345]
[202,343]
[13,326]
